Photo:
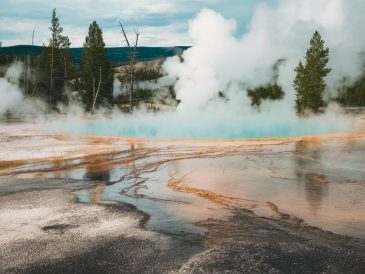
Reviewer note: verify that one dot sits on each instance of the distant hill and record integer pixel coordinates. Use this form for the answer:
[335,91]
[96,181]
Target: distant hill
[118,55]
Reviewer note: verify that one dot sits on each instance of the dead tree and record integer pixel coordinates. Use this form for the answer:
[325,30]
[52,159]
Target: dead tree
[51,82]
[27,69]
[95,94]
[132,61]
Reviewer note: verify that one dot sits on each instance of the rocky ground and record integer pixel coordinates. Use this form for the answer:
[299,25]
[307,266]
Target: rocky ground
[45,229]
[48,231]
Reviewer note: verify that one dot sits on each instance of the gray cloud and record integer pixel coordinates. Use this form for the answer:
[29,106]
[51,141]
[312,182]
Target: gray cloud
[162,22]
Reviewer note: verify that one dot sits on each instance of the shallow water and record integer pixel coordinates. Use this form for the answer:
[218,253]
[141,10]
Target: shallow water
[207,125]
[182,183]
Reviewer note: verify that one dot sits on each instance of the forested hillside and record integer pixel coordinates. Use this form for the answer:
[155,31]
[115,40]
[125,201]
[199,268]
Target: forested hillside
[118,55]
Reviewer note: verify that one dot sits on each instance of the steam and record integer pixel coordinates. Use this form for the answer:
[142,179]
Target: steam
[12,99]
[9,92]
[221,124]
[218,61]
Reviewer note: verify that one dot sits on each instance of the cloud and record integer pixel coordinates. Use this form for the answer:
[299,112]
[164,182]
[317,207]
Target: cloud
[163,22]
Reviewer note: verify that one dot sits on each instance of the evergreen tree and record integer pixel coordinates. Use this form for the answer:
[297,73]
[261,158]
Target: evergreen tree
[56,62]
[2,59]
[10,57]
[352,93]
[309,82]
[271,91]
[95,70]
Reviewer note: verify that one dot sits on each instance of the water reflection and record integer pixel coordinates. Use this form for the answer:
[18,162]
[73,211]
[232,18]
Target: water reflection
[322,183]
[92,175]
[97,194]
[132,162]
[308,165]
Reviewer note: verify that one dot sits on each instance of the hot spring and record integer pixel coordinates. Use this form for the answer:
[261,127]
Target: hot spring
[207,125]
[182,183]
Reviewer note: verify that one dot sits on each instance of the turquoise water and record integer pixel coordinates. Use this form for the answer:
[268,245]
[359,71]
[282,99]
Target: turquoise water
[205,127]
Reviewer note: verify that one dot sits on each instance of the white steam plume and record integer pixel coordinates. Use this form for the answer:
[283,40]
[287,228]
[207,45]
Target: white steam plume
[11,96]
[219,61]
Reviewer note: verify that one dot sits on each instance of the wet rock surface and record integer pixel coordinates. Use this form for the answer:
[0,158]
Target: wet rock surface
[49,231]
[241,257]
[123,255]
[127,206]
[247,244]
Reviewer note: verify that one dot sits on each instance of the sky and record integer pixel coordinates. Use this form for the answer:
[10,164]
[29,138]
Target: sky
[160,22]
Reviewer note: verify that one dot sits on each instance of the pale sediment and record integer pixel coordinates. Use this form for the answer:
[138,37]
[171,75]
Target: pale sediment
[39,229]
[44,228]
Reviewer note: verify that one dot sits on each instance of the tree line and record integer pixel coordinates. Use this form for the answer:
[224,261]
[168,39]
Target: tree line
[93,79]
[53,75]
[309,83]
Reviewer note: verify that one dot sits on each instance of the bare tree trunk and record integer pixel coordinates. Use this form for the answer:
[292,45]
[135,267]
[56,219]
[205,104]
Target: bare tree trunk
[93,93]
[31,53]
[126,83]
[132,59]
[65,68]
[131,87]
[97,91]
[33,37]
[51,84]
[34,89]
[25,75]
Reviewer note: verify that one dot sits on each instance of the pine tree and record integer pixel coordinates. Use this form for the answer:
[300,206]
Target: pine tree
[2,59]
[57,62]
[309,82]
[95,70]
